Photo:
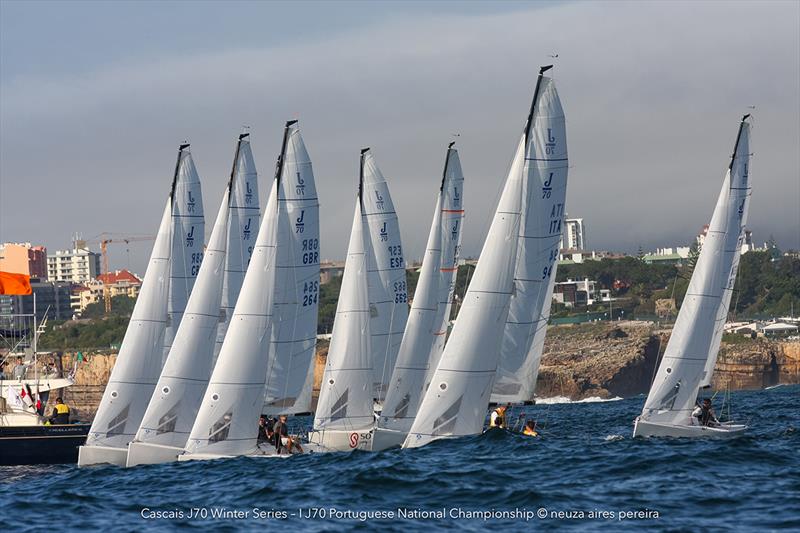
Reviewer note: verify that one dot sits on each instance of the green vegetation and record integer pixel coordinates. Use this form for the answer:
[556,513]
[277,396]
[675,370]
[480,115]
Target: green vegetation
[768,284]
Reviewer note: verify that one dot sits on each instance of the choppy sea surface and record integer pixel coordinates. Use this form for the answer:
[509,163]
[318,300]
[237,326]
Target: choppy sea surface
[583,473]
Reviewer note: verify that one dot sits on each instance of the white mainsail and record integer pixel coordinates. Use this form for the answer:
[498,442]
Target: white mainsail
[426,331]
[188,237]
[456,400]
[290,373]
[173,407]
[694,344]
[227,421]
[345,396]
[544,192]
[388,293]
[138,364]
[243,223]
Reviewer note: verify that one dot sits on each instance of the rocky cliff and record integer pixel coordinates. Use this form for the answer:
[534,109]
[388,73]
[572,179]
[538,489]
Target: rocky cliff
[580,361]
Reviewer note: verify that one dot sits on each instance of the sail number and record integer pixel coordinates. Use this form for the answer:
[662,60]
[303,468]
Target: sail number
[310,251]
[400,292]
[197,259]
[310,293]
[395,256]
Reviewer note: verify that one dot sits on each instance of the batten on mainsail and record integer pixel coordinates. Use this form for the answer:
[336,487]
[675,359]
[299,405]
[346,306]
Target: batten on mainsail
[426,330]
[543,211]
[188,237]
[290,374]
[456,400]
[692,349]
[243,223]
[388,292]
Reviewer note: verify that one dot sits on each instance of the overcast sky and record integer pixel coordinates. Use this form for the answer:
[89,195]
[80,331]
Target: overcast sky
[95,98]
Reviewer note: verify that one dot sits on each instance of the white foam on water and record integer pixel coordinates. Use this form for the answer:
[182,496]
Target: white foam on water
[564,399]
[613,438]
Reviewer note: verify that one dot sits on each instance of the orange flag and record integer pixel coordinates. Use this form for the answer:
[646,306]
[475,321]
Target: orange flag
[19,284]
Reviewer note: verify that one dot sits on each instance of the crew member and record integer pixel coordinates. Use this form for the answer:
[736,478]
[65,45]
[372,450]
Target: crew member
[498,417]
[530,429]
[707,417]
[282,438]
[60,412]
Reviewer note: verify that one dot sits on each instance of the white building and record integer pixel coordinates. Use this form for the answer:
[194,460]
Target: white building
[574,235]
[79,265]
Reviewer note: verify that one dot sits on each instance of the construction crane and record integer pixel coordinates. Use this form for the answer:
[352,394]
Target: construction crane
[104,239]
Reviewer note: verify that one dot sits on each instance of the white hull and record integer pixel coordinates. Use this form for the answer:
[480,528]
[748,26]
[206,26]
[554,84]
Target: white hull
[642,428]
[333,440]
[144,453]
[383,439]
[268,453]
[97,455]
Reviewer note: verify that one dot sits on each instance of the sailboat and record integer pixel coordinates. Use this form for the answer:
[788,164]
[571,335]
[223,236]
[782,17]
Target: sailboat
[691,353]
[544,194]
[388,292]
[227,421]
[426,331]
[140,358]
[344,417]
[173,407]
[456,400]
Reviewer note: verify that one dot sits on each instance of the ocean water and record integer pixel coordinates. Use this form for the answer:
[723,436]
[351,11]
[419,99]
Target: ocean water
[584,473]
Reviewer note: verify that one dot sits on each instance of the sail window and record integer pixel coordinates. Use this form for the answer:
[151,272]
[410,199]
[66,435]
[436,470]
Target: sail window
[219,431]
[445,424]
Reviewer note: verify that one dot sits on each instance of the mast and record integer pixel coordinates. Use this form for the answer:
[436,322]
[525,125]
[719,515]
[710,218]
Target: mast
[361,178]
[235,165]
[529,123]
[181,148]
[282,156]
[446,161]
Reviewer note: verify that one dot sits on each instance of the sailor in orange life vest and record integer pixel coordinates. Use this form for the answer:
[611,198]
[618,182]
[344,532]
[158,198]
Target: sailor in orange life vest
[530,429]
[498,417]
[60,413]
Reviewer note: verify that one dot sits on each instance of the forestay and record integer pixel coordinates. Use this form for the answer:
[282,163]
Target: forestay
[345,397]
[388,293]
[188,238]
[544,191]
[693,345]
[243,222]
[290,374]
[426,331]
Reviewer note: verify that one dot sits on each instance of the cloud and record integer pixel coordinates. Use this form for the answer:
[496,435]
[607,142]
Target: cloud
[652,93]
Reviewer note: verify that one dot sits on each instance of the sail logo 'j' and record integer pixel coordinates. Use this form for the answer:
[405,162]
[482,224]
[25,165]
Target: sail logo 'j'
[300,188]
[454,231]
[384,235]
[741,208]
[248,195]
[379,201]
[246,230]
[299,225]
[456,197]
[190,238]
[550,145]
[190,203]
[547,188]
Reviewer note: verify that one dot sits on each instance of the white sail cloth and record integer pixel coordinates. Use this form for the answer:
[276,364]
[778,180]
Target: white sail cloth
[188,237]
[227,421]
[426,331]
[138,364]
[173,407]
[693,343]
[388,292]
[345,397]
[290,374]
[544,192]
[243,222]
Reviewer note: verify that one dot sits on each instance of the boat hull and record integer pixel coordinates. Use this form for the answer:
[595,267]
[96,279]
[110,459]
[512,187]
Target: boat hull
[145,453]
[384,438]
[334,440]
[31,445]
[643,428]
[98,455]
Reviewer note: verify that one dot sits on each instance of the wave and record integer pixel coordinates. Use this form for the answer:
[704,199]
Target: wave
[564,399]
